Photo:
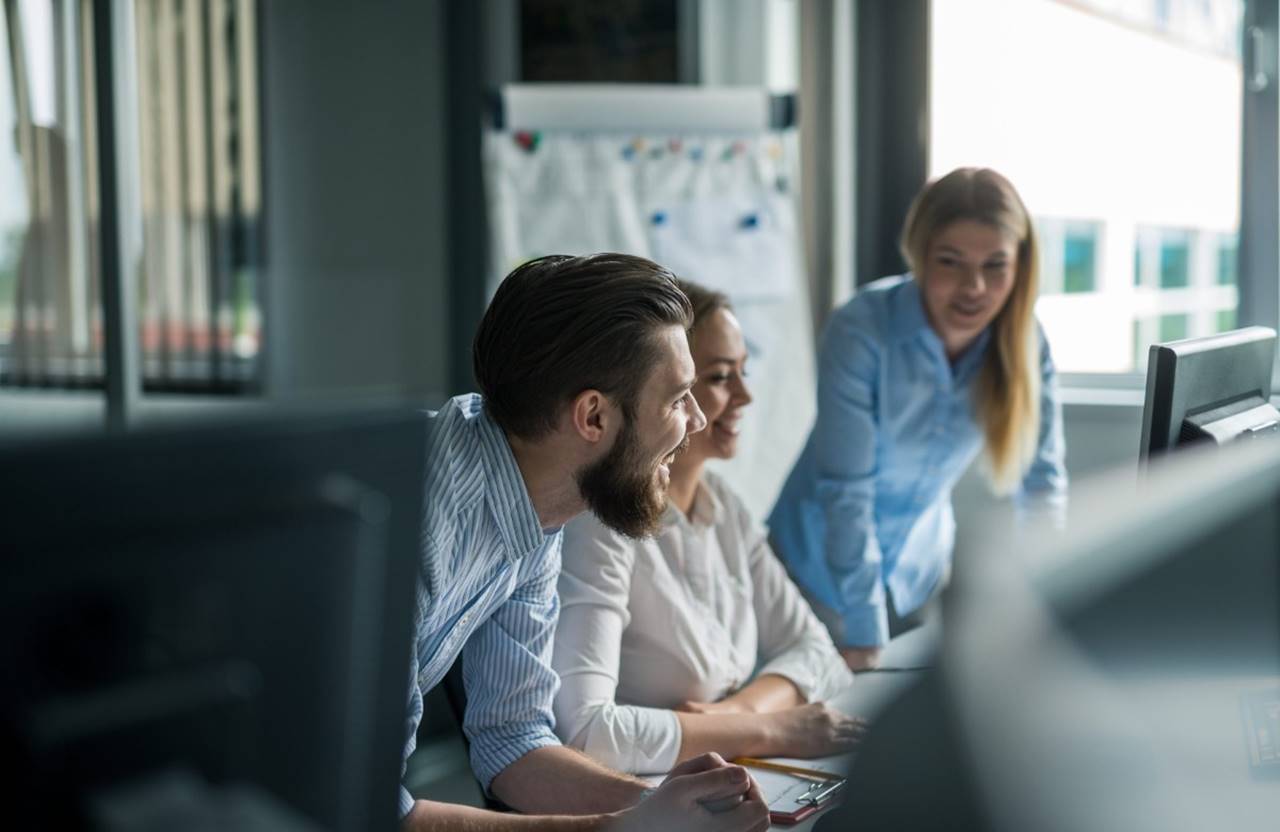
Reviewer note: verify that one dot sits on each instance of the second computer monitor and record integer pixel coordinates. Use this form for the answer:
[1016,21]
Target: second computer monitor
[1213,389]
[210,623]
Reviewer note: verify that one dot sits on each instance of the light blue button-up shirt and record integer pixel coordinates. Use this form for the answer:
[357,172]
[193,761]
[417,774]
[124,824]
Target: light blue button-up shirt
[487,589]
[867,507]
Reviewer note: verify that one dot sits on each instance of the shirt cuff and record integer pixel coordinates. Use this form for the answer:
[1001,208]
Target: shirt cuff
[491,755]
[866,627]
[817,674]
[406,802]
[635,740]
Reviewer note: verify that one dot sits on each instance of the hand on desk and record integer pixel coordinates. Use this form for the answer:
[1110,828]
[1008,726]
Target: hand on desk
[813,730]
[861,658]
[702,793]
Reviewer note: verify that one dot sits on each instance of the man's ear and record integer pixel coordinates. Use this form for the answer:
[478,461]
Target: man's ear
[591,413]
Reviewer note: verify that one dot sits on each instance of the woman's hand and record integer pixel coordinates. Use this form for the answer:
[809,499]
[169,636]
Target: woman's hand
[813,730]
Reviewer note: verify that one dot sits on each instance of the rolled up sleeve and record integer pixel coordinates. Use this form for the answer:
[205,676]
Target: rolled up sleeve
[413,716]
[507,672]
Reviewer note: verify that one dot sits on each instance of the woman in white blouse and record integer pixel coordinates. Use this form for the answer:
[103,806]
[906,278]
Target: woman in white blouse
[694,640]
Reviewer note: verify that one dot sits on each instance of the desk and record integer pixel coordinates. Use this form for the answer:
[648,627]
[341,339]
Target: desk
[872,691]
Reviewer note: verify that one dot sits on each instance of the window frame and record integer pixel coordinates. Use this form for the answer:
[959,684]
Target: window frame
[892,104]
[110,80]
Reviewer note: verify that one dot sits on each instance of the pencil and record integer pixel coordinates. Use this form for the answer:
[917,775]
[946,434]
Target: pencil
[813,774]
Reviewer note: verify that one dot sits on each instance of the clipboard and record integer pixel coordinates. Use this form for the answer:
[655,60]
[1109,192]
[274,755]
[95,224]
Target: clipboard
[794,793]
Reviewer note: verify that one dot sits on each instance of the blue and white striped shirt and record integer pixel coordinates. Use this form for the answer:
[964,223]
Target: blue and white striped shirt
[487,589]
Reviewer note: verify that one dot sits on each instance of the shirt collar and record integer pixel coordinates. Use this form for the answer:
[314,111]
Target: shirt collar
[505,490]
[707,509]
[910,322]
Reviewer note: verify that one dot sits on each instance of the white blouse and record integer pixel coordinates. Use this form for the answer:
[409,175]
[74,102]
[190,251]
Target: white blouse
[692,614]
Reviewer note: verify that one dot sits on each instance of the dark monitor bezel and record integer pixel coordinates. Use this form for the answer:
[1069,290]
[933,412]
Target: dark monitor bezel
[1196,374]
[299,470]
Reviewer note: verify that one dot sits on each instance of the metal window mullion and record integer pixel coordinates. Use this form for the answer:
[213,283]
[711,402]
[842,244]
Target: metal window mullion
[219,256]
[92,204]
[892,124]
[118,307]
[1259,251]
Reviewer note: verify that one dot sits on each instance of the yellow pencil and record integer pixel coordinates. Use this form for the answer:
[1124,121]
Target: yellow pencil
[812,774]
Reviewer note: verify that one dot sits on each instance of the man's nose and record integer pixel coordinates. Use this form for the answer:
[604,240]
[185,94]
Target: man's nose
[697,419]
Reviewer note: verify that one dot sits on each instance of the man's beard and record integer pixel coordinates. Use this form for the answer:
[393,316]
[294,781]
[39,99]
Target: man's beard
[622,490]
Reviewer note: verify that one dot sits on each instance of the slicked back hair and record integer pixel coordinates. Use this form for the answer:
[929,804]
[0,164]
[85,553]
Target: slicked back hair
[559,325]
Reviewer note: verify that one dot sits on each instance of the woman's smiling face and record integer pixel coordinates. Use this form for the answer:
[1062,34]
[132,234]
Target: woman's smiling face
[720,359]
[968,274]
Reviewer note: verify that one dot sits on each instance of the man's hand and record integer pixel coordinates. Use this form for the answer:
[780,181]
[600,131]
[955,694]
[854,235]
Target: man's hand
[813,730]
[704,793]
[860,658]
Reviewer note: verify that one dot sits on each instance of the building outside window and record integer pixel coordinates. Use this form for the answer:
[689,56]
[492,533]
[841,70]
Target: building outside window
[194,90]
[1080,257]
[1228,257]
[1129,160]
[1068,255]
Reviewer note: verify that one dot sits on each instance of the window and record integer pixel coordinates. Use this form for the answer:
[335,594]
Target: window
[1228,256]
[197,173]
[1068,255]
[1175,256]
[49,310]
[13,205]
[1158,330]
[621,41]
[1080,257]
[1161,86]
[1174,327]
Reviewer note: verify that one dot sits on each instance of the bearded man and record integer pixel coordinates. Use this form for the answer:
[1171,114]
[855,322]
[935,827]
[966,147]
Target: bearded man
[584,370]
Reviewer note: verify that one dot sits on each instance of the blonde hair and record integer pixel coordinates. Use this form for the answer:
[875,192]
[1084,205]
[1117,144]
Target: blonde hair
[1006,394]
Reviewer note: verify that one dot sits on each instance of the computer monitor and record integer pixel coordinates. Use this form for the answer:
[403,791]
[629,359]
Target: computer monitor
[1213,389]
[210,623]
[1123,674]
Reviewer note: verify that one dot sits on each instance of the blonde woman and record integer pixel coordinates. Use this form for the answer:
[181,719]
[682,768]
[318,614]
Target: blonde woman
[695,639]
[918,375]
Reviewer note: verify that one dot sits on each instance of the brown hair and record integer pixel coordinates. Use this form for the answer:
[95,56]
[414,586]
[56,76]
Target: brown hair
[703,300]
[559,325]
[1006,394]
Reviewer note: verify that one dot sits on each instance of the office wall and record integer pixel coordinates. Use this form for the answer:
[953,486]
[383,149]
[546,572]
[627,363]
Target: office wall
[354,162]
